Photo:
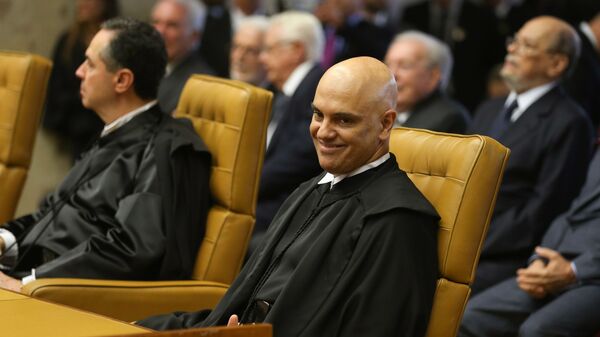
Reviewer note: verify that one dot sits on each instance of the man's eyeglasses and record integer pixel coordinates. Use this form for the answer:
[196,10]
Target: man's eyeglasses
[276,45]
[246,49]
[524,47]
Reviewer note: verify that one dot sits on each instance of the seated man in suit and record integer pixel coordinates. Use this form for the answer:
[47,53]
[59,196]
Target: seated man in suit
[422,66]
[244,57]
[558,293]
[550,138]
[293,46]
[180,23]
[118,214]
[341,257]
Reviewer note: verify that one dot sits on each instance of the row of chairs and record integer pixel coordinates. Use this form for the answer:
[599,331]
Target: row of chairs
[458,174]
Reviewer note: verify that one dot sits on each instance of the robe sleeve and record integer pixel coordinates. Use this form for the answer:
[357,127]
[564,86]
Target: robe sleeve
[133,244]
[390,280]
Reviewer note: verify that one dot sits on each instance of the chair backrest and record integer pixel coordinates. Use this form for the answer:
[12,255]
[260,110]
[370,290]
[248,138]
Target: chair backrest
[232,118]
[460,176]
[23,81]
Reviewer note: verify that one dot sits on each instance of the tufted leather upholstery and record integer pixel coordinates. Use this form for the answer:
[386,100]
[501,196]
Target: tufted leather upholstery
[23,80]
[231,117]
[460,176]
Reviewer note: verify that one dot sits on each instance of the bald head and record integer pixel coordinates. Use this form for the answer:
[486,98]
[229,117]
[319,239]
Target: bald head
[353,114]
[544,50]
[367,82]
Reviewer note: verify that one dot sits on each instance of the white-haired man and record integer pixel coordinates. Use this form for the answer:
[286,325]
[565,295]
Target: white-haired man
[180,22]
[422,66]
[291,54]
[247,44]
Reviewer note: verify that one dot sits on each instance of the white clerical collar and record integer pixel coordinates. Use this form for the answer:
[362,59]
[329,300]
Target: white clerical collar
[119,122]
[527,98]
[587,31]
[330,178]
[292,83]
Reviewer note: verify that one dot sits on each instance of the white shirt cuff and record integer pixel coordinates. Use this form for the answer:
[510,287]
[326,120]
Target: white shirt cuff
[11,249]
[29,278]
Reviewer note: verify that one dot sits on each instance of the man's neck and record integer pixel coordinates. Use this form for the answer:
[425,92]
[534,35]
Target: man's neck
[121,108]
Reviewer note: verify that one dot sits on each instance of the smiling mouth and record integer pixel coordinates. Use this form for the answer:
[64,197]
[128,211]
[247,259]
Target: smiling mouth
[327,148]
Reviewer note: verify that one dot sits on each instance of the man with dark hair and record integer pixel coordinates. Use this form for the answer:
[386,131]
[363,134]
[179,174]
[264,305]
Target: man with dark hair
[114,216]
[352,252]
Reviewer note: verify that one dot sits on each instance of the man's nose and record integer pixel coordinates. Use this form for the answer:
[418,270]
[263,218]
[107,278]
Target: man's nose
[326,131]
[79,72]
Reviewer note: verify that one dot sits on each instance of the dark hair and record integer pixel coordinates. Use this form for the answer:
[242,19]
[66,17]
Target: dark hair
[138,47]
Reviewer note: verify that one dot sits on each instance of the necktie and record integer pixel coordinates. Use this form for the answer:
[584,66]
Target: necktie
[502,121]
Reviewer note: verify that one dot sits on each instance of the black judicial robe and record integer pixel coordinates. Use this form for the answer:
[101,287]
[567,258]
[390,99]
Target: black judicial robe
[371,271]
[131,208]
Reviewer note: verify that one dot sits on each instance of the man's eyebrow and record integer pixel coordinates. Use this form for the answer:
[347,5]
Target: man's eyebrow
[312,105]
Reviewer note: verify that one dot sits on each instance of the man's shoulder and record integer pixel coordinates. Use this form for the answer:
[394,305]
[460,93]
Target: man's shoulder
[558,105]
[393,189]
[177,132]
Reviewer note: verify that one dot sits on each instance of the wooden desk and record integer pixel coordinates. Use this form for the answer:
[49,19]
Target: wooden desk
[23,316]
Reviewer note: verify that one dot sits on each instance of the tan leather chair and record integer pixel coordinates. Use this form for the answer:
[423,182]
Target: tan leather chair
[231,117]
[460,176]
[23,81]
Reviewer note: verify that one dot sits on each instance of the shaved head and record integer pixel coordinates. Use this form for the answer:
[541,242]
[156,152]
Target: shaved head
[353,114]
[365,80]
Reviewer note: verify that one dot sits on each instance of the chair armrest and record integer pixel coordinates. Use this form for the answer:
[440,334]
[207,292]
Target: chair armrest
[254,330]
[128,300]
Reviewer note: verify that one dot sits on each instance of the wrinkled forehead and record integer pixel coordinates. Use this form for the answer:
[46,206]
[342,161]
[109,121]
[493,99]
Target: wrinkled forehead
[540,32]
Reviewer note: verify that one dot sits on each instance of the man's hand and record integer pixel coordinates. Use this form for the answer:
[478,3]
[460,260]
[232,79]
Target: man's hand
[529,284]
[551,277]
[233,321]
[7,282]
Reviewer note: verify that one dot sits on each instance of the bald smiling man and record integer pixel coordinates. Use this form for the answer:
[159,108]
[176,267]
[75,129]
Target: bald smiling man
[341,258]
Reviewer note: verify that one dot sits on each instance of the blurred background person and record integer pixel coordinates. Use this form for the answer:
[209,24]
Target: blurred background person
[584,83]
[180,23]
[218,31]
[291,55]
[354,28]
[471,31]
[422,66]
[65,116]
[247,44]
[550,138]
[241,9]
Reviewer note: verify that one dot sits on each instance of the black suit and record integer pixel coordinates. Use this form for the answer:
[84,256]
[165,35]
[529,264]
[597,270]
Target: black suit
[172,84]
[290,158]
[437,112]
[550,149]
[584,83]
[503,309]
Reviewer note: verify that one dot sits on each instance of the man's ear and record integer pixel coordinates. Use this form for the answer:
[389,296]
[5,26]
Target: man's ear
[387,122]
[123,80]
[558,65]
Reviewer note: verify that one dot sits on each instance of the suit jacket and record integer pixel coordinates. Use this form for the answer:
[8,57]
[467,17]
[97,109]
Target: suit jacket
[584,82]
[171,85]
[475,43]
[576,233]
[437,112]
[290,158]
[550,149]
